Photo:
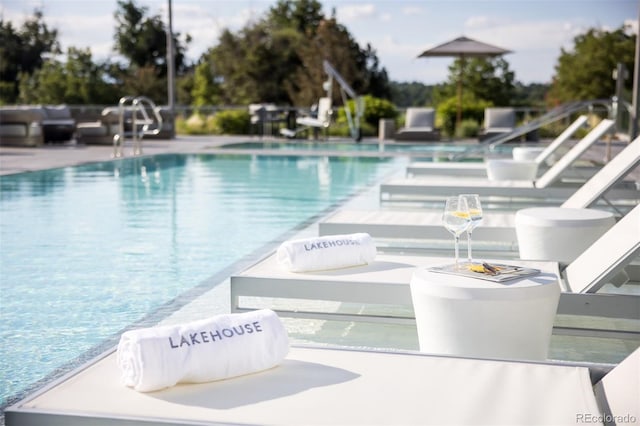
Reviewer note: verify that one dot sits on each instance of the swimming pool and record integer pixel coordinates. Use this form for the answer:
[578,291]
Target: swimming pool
[87,251]
[427,150]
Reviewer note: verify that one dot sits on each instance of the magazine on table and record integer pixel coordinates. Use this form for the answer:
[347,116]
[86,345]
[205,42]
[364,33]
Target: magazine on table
[496,272]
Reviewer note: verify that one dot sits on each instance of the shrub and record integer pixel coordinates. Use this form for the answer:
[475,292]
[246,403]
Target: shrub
[374,110]
[468,128]
[472,109]
[234,122]
[194,125]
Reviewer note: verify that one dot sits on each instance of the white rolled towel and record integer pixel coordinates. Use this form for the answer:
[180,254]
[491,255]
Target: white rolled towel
[328,252]
[217,348]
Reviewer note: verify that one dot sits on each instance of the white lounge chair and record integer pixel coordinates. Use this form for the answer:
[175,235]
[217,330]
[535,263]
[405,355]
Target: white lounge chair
[479,169]
[352,387]
[549,186]
[386,281]
[496,226]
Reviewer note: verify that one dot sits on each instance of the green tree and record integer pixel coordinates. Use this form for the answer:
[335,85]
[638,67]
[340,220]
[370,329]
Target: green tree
[407,94]
[142,40]
[22,51]
[585,71]
[76,81]
[485,79]
[279,58]
[205,90]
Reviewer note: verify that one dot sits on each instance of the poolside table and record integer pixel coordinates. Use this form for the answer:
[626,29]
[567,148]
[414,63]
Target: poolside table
[464,316]
[559,234]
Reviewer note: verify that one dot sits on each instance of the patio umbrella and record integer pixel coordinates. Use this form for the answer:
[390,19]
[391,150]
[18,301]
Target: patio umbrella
[463,47]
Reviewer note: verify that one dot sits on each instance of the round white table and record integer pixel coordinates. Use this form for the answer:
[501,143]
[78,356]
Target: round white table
[510,169]
[464,316]
[526,153]
[557,233]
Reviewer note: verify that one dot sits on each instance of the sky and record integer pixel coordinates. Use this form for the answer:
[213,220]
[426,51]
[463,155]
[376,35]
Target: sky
[534,30]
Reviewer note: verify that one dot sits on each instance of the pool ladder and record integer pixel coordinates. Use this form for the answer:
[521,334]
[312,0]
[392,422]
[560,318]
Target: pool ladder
[134,112]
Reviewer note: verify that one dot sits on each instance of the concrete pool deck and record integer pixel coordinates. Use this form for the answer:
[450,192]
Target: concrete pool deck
[15,159]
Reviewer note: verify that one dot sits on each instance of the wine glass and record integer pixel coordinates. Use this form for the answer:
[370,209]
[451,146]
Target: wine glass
[475,213]
[456,219]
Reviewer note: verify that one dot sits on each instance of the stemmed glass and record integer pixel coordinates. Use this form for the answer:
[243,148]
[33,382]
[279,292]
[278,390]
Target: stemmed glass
[456,219]
[475,213]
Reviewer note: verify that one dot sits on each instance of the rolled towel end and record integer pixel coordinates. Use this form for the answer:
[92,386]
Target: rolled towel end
[217,348]
[327,252]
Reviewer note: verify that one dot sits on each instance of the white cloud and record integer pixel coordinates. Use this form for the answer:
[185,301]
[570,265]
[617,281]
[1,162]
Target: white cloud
[479,22]
[356,12]
[632,26]
[412,10]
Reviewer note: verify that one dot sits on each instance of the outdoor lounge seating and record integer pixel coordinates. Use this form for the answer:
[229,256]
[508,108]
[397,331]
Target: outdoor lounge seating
[100,131]
[419,126]
[36,125]
[265,119]
[385,282]
[496,226]
[548,187]
[352,387]
[465,168]
[498,121]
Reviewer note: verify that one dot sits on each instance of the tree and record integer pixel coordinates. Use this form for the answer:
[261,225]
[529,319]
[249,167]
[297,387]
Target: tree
[585,72]
[405,94]
[485,79]
[279,58]
[22,51]
[143,41]
[205,90]
[76,81]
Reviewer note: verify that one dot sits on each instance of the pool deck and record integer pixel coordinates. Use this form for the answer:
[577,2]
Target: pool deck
[24,159]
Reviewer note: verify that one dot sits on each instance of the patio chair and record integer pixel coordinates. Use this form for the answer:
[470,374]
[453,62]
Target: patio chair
[386,281]
[419,126]
[498,121]
[465,168]
[321,121]
[549,186]
[352,387]
[496,226]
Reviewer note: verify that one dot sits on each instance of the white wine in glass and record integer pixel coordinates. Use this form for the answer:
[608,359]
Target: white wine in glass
[475,213]
[456,219]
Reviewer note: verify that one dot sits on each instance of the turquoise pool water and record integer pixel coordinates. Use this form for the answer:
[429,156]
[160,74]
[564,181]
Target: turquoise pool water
[87,251]
[414,149]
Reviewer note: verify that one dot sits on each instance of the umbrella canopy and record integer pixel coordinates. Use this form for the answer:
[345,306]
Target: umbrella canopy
[463,47]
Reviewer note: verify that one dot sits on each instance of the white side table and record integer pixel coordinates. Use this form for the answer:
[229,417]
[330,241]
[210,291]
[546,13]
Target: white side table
[510,169]
[526,153]
[559,234]
[463,316]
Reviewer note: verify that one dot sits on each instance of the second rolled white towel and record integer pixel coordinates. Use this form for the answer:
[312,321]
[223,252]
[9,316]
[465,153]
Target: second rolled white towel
[328,252]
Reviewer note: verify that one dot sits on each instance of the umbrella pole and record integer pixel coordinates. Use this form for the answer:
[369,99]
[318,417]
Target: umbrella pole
[459,112]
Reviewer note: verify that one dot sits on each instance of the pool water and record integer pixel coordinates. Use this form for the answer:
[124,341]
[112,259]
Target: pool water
[430,150]
[87,251]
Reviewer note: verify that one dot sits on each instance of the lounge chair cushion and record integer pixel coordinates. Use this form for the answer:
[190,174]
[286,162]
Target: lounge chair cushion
[420,118]
[499,119]
[13,130]
[351,387]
